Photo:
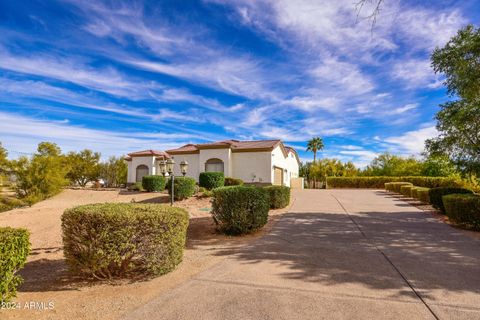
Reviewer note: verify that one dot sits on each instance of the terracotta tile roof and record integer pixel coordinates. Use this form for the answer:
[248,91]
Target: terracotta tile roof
[233,144]
[144,153]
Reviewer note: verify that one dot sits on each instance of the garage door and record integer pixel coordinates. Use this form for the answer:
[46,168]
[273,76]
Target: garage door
[278,176]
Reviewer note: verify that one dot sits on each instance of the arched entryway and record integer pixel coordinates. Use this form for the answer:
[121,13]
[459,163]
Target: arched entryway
[214,165]
[142,171]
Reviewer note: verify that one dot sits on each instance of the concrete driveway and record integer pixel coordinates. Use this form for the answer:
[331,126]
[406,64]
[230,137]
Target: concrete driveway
[338,254]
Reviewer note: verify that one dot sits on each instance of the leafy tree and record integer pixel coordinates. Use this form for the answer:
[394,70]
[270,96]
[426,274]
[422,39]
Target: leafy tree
[458,122]
[315,144]
[4,164]
[43,175]
[84,167]
[114,172]
[391,165]
[331,168]
[438,166]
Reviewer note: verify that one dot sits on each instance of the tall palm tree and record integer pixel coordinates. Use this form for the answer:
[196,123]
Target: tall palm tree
[315,144]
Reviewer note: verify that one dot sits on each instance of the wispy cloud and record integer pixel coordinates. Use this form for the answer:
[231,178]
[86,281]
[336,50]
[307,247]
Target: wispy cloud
[412,142]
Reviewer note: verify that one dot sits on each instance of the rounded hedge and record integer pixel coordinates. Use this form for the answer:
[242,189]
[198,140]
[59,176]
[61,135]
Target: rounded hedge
[463,209]
[396,186]
[112,240]
[211,180]
[154,183]
[184,187]
[279,196]
[233,182]
[14,250]
[423,194]
[240,209]
[436,194]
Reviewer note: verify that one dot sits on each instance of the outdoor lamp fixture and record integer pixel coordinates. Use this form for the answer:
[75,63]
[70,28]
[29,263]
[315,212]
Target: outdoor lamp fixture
[169,167]
[184,167]
[163,167]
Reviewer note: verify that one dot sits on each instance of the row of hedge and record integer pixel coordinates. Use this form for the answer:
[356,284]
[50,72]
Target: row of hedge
[212,180]
[14,250]
[461,205]
[379,182]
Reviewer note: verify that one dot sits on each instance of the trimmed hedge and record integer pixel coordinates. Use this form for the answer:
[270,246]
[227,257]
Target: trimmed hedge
[423,194]
[463,209]
[396,186]
[240,209]
[184,187]
[114,240]
[154,183]
[137,186]
[211,180]
[14,250]
[279,196]
[379,182]
[233,182]
[406,190]
[436,194]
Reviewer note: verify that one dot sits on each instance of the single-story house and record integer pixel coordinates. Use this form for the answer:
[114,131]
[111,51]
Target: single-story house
[260,161]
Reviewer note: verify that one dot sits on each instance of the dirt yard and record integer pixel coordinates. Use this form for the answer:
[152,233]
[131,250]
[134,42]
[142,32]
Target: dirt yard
[48,283]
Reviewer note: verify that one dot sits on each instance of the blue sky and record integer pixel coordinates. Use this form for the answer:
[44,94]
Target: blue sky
[120,76]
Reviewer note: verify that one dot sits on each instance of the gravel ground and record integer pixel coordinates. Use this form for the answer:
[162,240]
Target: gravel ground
[46,277]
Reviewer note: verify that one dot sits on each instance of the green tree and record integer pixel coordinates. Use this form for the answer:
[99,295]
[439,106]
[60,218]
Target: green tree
[84,167]
[314,145]
[43,175]
[114,172]
[391,165]
[4,164]
[438,166]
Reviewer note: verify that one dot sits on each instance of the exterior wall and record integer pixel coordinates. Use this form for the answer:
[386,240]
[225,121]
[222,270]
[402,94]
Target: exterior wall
[149,161]
[288,164]
[223,154]
[252,166]
[193,165]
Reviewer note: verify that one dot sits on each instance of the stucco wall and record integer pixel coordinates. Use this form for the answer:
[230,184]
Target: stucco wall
[246,165]
[193,165]
[289,164]
[222,154]
[135,162]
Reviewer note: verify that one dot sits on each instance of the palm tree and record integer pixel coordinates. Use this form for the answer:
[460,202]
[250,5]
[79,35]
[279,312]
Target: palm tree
[315,144]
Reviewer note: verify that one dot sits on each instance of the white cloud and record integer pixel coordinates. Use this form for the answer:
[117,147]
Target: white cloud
[22,134]
[412,142]
[416,73]
[403,109]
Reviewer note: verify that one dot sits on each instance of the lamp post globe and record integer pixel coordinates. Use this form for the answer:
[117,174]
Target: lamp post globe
[184,167]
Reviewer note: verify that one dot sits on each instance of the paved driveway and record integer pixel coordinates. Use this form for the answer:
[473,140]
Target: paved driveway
[338,254]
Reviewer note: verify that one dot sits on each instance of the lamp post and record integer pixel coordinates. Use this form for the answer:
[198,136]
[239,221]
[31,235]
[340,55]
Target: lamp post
[184,167]
[169,169]
[163,167]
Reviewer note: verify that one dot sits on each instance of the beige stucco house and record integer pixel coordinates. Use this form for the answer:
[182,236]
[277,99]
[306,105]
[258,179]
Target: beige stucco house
[260,161]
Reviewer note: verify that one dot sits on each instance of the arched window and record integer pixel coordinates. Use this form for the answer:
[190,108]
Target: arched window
[214,165]
[142,171]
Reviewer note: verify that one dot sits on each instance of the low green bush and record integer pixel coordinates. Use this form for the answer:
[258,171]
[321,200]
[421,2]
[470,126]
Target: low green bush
[240,209]
[396,186]
[137,186]
[279,196]
[423,194]
[436,196]
[14,250]
[184,187]
[463,209]
[233,182]
[114,240]
[379,182]
[211,180]
[406,190]
[154,183]
[388,186]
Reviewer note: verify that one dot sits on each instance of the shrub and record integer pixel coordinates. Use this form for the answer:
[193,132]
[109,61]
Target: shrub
[436,195]
[211,180]
[463,209]
[110,240]
[154,183]
[233,182]
[379,182]
[240,209]
[184,187]
[388,186]
[423,194]
[279,196]
[137,186]
[396,186]
[14,250]
[406,190]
